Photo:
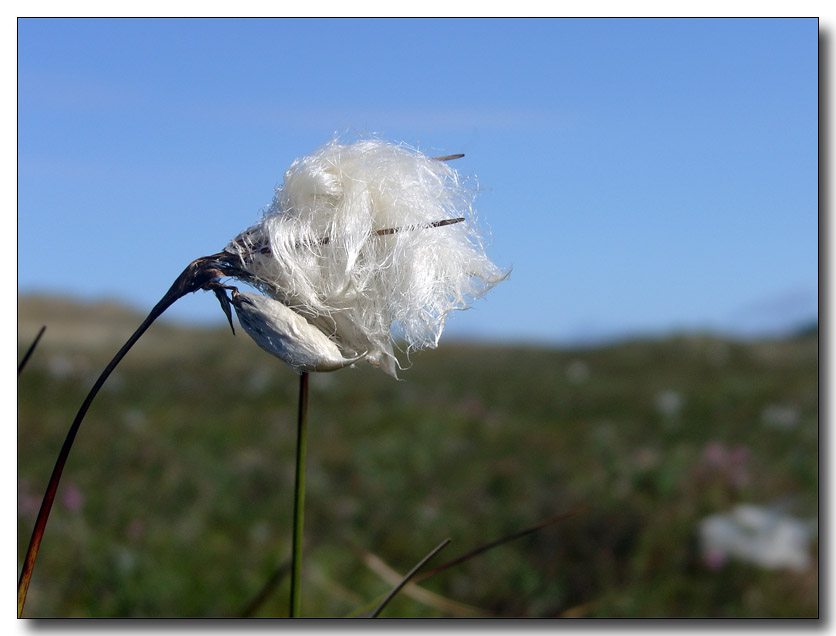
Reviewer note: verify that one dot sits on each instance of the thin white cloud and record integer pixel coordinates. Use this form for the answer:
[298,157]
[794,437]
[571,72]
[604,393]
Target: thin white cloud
[60,91]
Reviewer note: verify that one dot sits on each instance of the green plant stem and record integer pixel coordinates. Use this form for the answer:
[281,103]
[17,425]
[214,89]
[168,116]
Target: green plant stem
[299,499]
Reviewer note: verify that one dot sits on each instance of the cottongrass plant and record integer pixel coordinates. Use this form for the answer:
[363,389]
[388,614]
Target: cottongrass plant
[365,244]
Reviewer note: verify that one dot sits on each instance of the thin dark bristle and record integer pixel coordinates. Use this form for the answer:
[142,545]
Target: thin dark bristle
[449,157]
[386,232]
[395,230]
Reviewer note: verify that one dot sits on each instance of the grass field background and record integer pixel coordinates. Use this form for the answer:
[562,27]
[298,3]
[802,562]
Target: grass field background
[177,497]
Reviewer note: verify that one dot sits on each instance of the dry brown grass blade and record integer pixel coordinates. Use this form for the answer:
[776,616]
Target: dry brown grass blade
[407,578]
[414,591]
[578,611]
[420,594]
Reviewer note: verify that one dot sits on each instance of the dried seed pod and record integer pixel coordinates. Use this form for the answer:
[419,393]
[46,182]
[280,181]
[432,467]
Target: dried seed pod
[280,331]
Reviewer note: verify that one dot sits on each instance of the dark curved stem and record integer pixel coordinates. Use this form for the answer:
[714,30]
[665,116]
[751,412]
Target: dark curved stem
[199,273]
[299,500]
[30,350]
[498,542]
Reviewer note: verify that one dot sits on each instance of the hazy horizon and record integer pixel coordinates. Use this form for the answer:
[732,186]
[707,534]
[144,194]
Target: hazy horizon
[216,320]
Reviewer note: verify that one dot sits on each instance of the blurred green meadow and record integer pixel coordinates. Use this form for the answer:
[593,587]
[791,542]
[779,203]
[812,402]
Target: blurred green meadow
[177,498]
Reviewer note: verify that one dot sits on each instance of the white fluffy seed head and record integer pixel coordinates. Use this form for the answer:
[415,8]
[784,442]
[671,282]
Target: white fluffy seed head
[318,251]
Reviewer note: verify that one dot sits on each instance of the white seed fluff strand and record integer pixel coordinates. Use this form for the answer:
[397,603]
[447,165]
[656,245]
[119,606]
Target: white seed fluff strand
[325,261]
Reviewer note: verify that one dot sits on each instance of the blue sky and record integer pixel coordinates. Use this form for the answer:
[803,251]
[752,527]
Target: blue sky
[639,175]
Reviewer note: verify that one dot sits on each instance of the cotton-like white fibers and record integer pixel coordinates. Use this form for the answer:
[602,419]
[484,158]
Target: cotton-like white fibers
[352,242]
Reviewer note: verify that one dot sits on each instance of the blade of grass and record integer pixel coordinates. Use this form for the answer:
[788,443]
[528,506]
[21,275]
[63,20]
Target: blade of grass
[488,546]
[420,594]
[362,611]
[30,350]
[266,590]
[471,554]
[406,579]
[299,499]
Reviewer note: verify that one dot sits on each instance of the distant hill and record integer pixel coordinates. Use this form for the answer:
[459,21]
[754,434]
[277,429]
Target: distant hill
[99,326]
[104,324]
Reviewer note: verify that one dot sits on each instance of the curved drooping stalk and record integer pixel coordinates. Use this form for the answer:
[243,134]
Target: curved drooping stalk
[202,273]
